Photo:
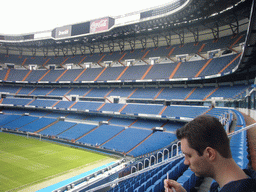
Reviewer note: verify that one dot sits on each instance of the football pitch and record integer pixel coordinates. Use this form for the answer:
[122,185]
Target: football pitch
[25,161]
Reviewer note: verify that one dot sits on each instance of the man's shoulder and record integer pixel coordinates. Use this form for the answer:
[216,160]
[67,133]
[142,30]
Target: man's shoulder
[244,185]
[251,173]
[214,187]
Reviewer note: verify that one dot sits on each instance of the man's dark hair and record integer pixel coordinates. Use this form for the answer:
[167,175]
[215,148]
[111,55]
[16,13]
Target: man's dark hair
[205,131]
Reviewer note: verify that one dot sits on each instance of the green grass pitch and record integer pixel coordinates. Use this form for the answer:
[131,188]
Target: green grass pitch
[24,161]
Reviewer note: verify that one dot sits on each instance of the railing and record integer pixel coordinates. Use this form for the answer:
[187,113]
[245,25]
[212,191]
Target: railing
[76,189]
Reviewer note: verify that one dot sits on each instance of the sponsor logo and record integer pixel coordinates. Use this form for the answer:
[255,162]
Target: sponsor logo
[65,32]
[99,25]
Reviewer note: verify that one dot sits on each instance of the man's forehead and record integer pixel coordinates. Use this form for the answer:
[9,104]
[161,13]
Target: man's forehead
[185,148]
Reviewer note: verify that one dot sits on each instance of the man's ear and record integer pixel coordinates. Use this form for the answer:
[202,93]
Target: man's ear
[210,153]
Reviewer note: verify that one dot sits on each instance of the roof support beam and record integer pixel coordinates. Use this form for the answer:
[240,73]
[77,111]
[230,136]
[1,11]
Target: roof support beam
[168,39]
[234,25]
[132,43]
[45,51]
[64,51]
[82,49]
[181,35]
[33,51]
[111,46]
[155,41]
[214,28]
[195,33]
[56,51]
[92,48]
[143,42]
[73,50]
[20,51]
[121,45]
[101,46]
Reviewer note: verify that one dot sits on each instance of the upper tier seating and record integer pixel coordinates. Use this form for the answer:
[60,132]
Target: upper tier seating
[111,73]
[35,75]
[70,75]
[190,69]
[90,74]
[138,72]
[218,64]
[188,48]
[161,71]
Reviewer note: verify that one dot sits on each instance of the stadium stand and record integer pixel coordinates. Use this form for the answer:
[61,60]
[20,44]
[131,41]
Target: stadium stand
[137,72]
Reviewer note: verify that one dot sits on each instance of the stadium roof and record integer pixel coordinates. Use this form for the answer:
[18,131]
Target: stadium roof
[186,20]
[28,17]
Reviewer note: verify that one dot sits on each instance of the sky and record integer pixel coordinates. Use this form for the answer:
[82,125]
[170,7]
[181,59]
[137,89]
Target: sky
[29,16]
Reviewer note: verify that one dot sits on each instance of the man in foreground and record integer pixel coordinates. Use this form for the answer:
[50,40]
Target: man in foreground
[205,145]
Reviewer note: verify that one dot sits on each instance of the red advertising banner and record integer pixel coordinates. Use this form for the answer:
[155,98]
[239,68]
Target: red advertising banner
[99,25]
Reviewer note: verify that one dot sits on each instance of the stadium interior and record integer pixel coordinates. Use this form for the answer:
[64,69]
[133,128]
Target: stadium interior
[123,85]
